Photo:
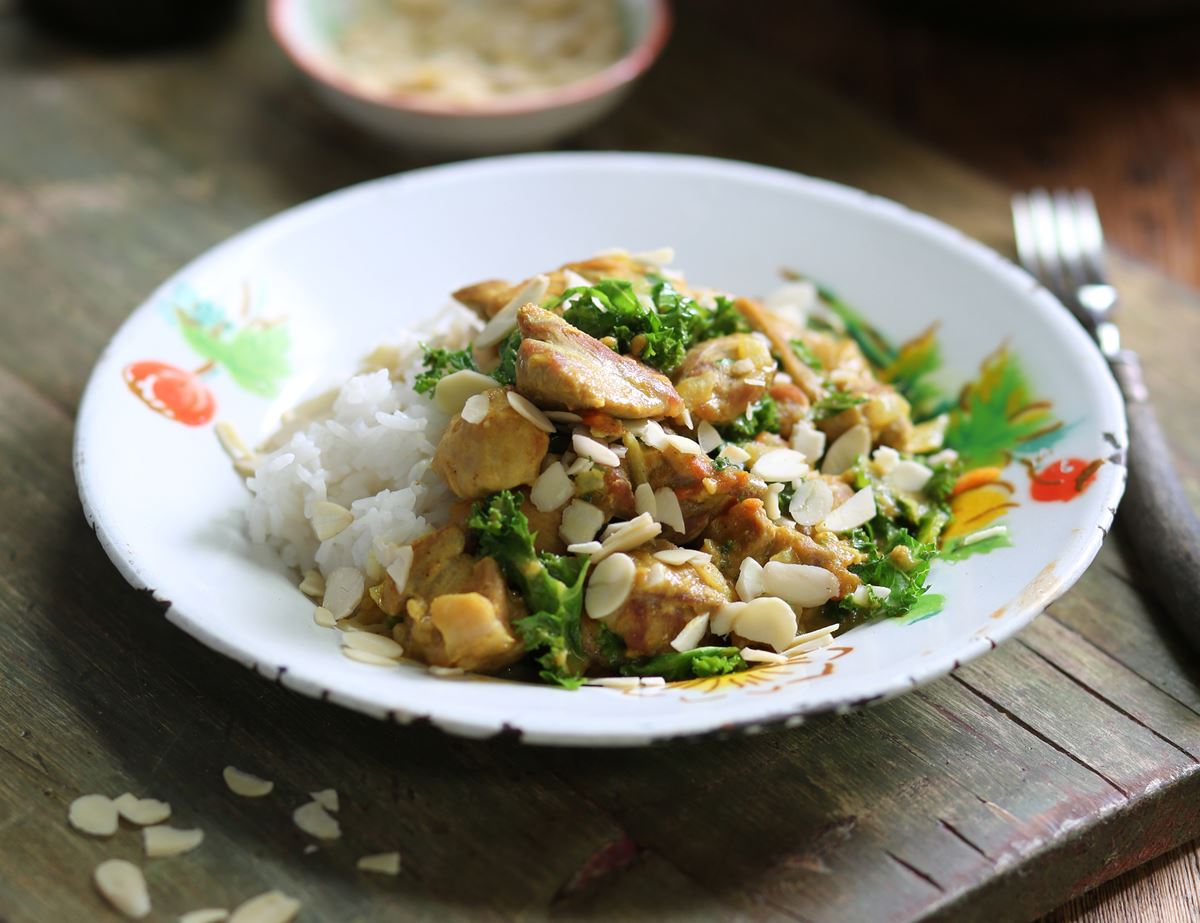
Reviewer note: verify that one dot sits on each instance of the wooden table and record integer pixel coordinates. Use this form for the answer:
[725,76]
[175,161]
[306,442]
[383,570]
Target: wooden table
[1058,761]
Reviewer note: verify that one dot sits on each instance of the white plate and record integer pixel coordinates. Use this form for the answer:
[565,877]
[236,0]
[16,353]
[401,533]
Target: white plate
[339,272]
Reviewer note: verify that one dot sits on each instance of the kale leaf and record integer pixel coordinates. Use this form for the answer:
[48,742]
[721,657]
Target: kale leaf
[895,560]
[834,403]
[760,417]
[506,372]
[697,663]
[439,363]
[806,355]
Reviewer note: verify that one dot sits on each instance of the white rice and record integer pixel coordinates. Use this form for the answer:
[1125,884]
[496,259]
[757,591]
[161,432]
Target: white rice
[371,453]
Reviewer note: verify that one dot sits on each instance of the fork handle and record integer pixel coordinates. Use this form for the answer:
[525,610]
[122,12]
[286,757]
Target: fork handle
[1156,516]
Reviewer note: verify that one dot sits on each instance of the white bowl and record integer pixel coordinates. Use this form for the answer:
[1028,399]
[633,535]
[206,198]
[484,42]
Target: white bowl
[338,273]
[307,31]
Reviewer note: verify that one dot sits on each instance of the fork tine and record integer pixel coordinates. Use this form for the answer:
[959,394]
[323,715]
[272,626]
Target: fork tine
[1045,241]
[1066,228]
[1023,230]
[1090,236]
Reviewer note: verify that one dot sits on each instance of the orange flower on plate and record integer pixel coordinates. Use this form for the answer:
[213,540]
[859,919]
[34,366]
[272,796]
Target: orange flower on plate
[979,498]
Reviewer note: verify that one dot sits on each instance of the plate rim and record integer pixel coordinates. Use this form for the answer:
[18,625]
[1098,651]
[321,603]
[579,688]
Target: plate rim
[1027,605]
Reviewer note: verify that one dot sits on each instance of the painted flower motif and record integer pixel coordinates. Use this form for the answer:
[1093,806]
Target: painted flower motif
[769,677]
[176,394]
[980,497]
[1062,480]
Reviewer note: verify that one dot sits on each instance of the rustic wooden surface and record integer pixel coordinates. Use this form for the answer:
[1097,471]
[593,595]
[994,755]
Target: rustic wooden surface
[1058,761]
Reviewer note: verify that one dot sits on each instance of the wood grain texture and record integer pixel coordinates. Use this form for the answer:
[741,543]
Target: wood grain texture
[1058,761]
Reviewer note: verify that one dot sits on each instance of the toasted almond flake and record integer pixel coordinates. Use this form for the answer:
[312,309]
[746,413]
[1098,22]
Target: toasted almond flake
[384,863]
[799,584]
[771,501]
[269,907]
[735,453]
[563,416]
[344,590]
[205,915]
[142,811]
[809,646]
[580,522]
[95,815]
[811,503]
[585,548]
[454,390]
[780,465]
[721,623]
[122,884]
[691,634]
[847,449]
[750,580]
[660,256]
[245,784]
[324,617]
[827,631]
[369,657]
[708,437]
[587,447]
[380,645]
[326,798]
[768,620]
[552,489]
[526,408]
[683,445]
[636,531]
[670,513]
[856,511]
[505,320]
[808,441]
[313,819]
[677,557]
[435,670]
[161,840]
[329,519]
[984,534]
[885,458]
[643,500]
[944,457]
[400,566]
[614,682]
[313,584]
[862,594]
[609,586]
[908,476]
[580,465]
[757,655]
[651,433]
[475,410]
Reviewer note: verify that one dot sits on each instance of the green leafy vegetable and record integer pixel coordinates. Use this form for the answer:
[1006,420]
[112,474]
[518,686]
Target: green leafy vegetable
[551,584]
[697,663]
[939,487]
[834,403]
[875,345]
[610,645]
[806,355]
[721,320]
[760,417]
[440,363]
[506,372]
[895,560]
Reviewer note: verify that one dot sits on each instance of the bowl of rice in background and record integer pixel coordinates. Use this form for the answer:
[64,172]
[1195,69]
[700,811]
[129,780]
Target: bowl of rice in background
[471,76]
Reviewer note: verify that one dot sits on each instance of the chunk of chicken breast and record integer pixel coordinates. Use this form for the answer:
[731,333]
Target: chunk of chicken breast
[719,378]
[560,366]
[501,451]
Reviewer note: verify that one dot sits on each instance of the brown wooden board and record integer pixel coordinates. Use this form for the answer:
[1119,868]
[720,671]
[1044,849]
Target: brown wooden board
[1057,761]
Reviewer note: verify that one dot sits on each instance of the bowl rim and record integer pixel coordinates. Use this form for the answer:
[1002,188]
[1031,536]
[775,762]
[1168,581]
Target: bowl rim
[626,69]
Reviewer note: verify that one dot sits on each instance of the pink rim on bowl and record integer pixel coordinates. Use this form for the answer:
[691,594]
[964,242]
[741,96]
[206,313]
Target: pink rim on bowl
[624,70]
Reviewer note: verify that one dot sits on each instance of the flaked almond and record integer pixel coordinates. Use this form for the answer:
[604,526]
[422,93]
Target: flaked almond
[505,320]
[909,476]
[780,465]
[691,634]
[847,449]
[270,907]
[708,437]
[580,465]
[735,453]
[670,513]
[721,622]
[757,655]
[742,368]
[563,416]
[368,657]
[984,534]
[142,811]
[245,784]
[526,408]
[95,815]
[680,556]
[856,511]
[636,532]
[330,519]
[324,617]
[122,884]
[649,432]
[435,670]
[771,501]
[552,489]
[373,643]
[944,457]
[314,820]
[864,595]
[808,636]
[585,548]
[205,915]
[455,389]
[799,584]
[580,522]
[343,591]
[768,620]
[313,584]
[326,798]
[808,441]
[807,647]
[475,410]
[614,682]
[643,500]
[161,840]
[750,580]
[384,863]
[610,585]
[885,458]
[400,566]
[587,447]
[811,503]
[683,445]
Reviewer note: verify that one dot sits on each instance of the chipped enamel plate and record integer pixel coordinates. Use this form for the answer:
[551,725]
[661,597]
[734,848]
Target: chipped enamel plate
[343,270]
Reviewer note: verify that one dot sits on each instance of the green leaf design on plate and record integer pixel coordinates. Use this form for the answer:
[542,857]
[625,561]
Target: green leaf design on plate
[256,355]
[955,550]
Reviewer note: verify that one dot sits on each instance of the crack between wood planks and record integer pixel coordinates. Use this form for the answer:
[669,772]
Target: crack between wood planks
[1105,699]
[959,835]
[924,876]
[1044,738]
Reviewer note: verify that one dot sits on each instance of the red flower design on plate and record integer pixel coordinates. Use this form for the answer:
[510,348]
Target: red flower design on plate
[1064,479]
[176,394]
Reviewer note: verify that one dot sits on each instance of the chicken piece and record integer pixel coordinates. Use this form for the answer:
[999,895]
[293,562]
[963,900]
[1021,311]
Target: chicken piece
[718,379]
[703,491]
[745,531]
[885,411]
[501,451]
[781,332]
[562,367]
[664,598]
[792,405]
[544,526]
[456,611]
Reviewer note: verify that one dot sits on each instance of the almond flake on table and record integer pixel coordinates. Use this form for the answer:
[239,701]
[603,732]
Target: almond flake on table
[122,884]
[142,811]
[314,820]
[245,784]
[205,915]
[268,907]
[326,798]
[161,840]
[95,815]
[384,863]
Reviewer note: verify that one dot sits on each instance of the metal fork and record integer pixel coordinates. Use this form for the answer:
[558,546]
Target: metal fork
[1060,242]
